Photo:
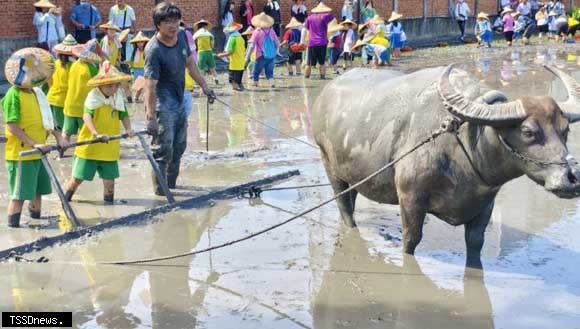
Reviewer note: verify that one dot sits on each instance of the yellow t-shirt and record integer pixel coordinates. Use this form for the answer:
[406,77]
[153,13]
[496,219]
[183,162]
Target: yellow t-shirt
[139,60]
[203,40]
[107,122]
[379,40]
[22,104]
[80,73]
[236,46]
[189,83]
[57,93]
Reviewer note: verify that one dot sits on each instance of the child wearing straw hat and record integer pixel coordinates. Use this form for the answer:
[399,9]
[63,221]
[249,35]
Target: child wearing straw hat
[110,44]
[508,25]
[395,28]
[48,22]
[483,30]
[204,42]
[137,59]
[349,38]
[57,92]
[265,42]
[29,121]
[335,44]
[235,50]
[292,38]
[104,110]
[379,50]
[81,71]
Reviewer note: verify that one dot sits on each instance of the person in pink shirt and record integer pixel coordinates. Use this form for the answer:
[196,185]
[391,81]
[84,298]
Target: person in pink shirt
[317,26]
[265,42]
[508,25]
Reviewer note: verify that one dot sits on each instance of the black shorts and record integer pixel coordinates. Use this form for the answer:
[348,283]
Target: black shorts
[316,55]
[293,57]
[563,29]
[236,76]
[543,28]
[347,57]
[509,36]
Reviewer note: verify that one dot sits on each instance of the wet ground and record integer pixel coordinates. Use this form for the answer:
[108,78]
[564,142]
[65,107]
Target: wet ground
[313,272]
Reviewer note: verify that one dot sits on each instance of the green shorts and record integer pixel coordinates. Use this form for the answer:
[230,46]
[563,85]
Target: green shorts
[27,179]
[205,61]
[84,169]
[58,115]
[72,125]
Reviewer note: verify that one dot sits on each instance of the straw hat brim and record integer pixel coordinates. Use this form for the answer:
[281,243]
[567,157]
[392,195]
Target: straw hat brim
[262,21]
[552,14]
[98,81]
[63,50]
[357,45]
[377,20]
[348,21]
[88,56]
[294,23]
[335,27]
[248,31]
[507,11]
[395,17]
[233,28]
[482,15]
[140,38]
[201,21]
[321,8]
[31,66]
[44,4]
[109,26]
[124,34]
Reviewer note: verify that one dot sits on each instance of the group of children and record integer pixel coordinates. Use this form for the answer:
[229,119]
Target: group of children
[83,99]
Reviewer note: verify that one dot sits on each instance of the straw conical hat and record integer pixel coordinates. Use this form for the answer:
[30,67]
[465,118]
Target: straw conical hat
[348,21]
[110,26]
[321,8]
[44,4]
[334,26]
[88,51]
[262,20]
[124,34]
[66,46]
[294,23]
[201,21]
[377,20]
[516,14]
[395,16]
[358,44]
[248,31]
[552,13]
[140,37]
[363,26]
[108,75]
[483,15]
[29,67]
[507,10]
[233,27]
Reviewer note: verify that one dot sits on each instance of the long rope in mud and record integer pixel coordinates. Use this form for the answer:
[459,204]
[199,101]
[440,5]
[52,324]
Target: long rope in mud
[444,128]
[265,124]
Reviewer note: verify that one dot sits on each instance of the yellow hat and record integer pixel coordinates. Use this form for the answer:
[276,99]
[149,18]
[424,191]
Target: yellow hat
[44,4]
[248,31]
[29,67]
[233,27]
[201,21]
[66,46]
[262,20]
[483,15]
[348,21]
[334,27]
[294,23]
[124,34]
[395,16]
[108,75]
[377,20]
[110,26]
[88,51]
[321,8]
[140,37]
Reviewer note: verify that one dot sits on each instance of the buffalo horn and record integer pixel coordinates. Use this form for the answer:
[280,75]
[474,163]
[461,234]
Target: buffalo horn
[470,111]
[571,106]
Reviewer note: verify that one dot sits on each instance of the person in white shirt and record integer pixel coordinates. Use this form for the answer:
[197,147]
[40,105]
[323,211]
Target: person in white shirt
[461,15]
[48,23]
[525,8]
[123,16]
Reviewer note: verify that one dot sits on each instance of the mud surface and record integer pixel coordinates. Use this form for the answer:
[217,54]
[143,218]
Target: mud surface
[313,272]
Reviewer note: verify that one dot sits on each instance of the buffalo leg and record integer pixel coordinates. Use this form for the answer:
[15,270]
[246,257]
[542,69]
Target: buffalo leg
[345,202]
[413,216]
[474,237]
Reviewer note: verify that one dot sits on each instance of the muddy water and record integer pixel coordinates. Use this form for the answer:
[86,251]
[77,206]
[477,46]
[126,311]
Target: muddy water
[312,273]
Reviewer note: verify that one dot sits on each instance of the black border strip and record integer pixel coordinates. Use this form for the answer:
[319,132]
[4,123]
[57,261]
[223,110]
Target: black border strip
[141,217]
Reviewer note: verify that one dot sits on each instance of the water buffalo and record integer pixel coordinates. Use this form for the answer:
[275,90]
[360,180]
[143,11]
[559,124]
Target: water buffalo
[365,119]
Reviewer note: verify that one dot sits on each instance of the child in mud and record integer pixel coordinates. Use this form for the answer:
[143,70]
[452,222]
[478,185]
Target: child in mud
[483,30]
[204,43]
[395,28]
[137,60]
[379,50]
[57,92]
[508,25]
[349,38]
[292,38]
[236,52]
[104,109]
[81,71]
[335,45]
[29,120]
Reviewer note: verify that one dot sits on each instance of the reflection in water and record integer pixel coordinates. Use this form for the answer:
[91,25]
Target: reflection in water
[384,295]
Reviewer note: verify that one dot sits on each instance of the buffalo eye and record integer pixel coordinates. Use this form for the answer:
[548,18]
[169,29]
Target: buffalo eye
[528,134]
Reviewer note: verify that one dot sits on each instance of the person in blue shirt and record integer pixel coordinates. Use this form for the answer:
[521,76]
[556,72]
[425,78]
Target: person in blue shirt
[85,18]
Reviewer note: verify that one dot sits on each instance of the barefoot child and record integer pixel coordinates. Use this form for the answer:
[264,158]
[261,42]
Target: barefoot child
[395,28]
[80,73]
[103,111]
[292,38]
[335,44]
[110,44]
[236,51]
[349,39]
[137,59]
[57,92]
[483,30]
[28,120]
[204,43]
[508,25]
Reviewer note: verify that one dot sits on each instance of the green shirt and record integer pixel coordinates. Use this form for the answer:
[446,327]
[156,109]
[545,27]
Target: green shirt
[11,105]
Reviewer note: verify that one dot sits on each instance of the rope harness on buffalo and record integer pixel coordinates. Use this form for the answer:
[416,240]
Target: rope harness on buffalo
[449,125]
